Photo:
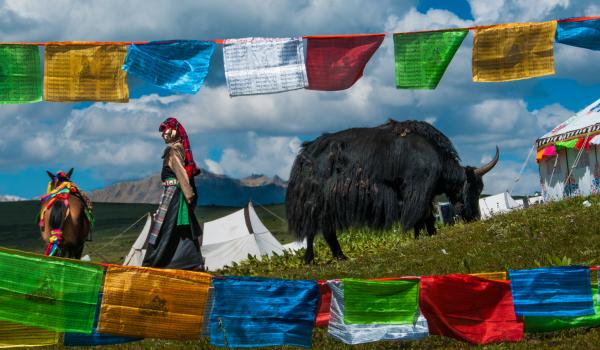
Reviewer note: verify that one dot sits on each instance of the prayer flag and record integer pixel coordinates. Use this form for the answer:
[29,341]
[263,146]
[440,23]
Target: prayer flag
[584,34]
[552,291]
[253,311]
[549,324]
[20,74]
[264,65]
[422,58]
[366,333]
[13,335]
[51,293]
[380,302]
[337,62]
[85,72]
[179,65]
[469,308]
[153,303]
[514,51]
[324,305]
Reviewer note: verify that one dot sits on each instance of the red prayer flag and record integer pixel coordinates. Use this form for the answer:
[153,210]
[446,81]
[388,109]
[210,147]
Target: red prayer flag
[337,62]
[469,308]
[324,304]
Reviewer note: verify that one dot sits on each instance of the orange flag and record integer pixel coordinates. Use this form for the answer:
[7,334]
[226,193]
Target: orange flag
[513,51]
[85,72]
[153,303]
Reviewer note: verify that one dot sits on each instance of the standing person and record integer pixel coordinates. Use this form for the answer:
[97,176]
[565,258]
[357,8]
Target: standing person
[173,241]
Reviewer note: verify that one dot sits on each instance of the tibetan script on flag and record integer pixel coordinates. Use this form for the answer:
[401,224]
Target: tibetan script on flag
[513,51]
[20,74]
[85,72]
[422,58]
[264,65]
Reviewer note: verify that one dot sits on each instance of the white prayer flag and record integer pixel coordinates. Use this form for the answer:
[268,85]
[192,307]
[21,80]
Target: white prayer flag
[367,333]
[264,65]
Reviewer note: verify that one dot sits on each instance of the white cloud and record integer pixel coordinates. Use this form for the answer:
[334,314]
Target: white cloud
[213,166]
[264,155]
[499,115]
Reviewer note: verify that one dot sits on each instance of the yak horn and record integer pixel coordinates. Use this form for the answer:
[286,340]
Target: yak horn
[484,169]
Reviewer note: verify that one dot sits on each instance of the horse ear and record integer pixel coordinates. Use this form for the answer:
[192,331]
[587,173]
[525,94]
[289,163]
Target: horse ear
[70,173]
[50,175]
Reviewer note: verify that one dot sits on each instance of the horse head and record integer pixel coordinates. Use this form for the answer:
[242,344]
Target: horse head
[58,178]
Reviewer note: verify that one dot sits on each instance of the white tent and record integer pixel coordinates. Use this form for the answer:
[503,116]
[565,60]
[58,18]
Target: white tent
[498,203]
[138,250]
[571,172]
[235,236]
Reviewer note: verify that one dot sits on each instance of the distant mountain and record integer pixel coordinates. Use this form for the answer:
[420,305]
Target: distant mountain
[212,189]
[9,198]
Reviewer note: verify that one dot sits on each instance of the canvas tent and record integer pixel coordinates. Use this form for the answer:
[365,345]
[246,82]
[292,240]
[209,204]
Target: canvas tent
[138,250]
[568,156]
[498,203]
[235,236]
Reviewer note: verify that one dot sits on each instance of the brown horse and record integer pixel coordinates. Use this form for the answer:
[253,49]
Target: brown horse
[63,217]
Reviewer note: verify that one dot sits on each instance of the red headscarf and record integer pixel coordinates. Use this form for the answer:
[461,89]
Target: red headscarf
[190,166]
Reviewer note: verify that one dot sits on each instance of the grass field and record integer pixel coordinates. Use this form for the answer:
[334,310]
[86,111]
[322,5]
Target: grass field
[556,234]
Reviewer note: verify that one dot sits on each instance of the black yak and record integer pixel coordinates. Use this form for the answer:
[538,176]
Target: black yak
[377,176]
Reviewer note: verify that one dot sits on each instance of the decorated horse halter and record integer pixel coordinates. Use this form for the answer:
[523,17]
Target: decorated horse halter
[60,193]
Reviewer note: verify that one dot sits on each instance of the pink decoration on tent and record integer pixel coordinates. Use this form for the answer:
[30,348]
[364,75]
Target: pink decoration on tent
[550,151]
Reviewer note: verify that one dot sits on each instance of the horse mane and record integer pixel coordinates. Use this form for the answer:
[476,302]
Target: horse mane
[426,130]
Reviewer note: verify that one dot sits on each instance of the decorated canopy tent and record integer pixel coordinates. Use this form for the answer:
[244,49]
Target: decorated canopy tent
[568,156]
[235,236]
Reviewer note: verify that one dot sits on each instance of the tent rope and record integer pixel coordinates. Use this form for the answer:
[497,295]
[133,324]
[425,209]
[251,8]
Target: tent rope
[270,212]
[553,169]
[95,250]
[522,170]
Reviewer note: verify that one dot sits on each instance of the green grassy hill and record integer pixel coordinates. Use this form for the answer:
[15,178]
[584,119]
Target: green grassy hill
[556,234]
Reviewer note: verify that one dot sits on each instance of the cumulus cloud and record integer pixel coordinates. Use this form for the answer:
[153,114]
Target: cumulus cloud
[264,155]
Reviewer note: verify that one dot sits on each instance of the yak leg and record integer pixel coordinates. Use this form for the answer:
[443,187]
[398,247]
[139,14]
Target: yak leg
[309,255]
[418,227]
[331,239]
[430,224]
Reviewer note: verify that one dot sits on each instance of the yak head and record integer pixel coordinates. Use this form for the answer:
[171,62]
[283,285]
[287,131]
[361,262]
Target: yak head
[467,208]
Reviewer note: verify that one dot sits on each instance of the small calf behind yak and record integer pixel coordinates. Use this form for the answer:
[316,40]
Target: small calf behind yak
[377,176]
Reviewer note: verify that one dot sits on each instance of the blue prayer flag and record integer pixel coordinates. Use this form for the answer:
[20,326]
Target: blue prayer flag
[253,311]
[179,65]
[584,34]
[552,291]
[80,339]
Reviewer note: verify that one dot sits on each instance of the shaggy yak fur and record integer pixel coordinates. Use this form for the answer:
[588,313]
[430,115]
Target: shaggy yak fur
[377,176]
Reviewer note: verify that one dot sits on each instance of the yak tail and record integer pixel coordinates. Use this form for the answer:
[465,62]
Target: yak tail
[57,215]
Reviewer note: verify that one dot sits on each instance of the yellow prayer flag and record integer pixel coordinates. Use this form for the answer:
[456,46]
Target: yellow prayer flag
[513,51]
[85,72]
[153,303]
[497,276]
[14,335]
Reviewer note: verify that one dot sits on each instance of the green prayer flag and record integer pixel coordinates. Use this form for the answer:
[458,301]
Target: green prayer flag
[20,74]
[380,302]
[51,293]
[549,324]
[422,58]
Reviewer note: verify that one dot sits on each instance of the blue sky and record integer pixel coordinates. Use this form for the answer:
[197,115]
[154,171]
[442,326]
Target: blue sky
[108,142]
